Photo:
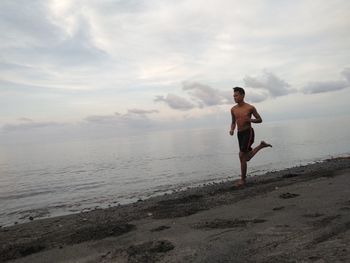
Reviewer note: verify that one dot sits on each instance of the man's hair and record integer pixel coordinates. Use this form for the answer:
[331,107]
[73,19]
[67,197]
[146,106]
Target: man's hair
[239,90]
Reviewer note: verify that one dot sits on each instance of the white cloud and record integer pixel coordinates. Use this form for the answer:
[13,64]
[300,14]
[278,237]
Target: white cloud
[104,119]
[328,86]
[271,83]
[325,86]
[134,118]
[175,102]
[206,95]
[256,96]
[28,125]
[201,96]
[97,57]
[27,23]
[346,74]
[24,119]
[258,89]
[141,112]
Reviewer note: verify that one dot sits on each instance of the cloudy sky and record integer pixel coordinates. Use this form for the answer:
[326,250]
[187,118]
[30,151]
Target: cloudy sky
[137,64]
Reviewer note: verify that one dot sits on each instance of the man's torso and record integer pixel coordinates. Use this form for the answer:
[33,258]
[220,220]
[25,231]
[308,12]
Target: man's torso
[243,114]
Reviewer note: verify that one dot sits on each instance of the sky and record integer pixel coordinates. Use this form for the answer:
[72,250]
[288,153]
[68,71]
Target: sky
[120,66]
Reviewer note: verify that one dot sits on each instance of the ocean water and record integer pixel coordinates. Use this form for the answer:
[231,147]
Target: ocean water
[51,179]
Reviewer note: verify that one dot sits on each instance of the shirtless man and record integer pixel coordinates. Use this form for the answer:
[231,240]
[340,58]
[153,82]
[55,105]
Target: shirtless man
[242,117]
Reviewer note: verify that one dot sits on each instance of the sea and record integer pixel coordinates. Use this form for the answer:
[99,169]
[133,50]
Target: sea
[58,178]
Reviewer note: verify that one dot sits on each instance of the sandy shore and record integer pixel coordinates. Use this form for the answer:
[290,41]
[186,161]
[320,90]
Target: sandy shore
[300,214]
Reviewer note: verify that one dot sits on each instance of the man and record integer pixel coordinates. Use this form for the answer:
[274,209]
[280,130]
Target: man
[242,117]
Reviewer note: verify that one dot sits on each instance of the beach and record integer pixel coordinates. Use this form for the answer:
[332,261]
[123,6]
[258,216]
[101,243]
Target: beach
[300,214]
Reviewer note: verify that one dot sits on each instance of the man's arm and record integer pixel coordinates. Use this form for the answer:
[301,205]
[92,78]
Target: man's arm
[256,116]
[233,123]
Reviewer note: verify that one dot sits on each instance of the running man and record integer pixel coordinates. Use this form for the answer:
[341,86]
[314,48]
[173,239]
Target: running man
[242,117]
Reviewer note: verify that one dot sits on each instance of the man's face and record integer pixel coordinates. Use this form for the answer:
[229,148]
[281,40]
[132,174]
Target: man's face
[238,97]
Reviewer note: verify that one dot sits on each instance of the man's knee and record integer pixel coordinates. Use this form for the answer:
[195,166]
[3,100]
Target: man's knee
[242,156]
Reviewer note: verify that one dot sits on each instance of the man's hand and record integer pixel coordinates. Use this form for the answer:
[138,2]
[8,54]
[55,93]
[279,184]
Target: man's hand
[231,132]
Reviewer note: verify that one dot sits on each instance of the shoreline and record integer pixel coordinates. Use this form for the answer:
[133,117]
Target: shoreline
[167,216]
[58,210]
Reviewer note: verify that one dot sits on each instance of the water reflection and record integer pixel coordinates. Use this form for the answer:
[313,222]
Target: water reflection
[86,173]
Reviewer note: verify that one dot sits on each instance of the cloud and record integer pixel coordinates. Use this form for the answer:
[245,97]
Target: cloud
[203,95]
[29,23]
[35,35]
[325,86]
[104,119]
[29,125]
[175,102]
[269,82]
[314,87]
[141,112]
[259,89]
[134,118]
[346,74]
[93,56]
[26,88]
[255,97]
[128,119]
[25,119]
[206,95]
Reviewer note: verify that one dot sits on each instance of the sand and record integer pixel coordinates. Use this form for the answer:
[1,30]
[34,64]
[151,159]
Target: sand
[301,214]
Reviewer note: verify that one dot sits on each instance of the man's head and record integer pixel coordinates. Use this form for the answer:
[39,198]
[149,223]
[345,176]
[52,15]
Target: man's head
[238,94]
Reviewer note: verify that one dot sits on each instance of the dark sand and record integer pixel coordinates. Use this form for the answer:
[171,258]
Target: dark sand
[300,214]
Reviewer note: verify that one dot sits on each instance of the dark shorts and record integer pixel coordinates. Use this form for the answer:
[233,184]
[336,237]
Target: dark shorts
[245,140]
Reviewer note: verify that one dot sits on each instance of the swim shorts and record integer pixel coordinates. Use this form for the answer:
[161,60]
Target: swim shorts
[245,140]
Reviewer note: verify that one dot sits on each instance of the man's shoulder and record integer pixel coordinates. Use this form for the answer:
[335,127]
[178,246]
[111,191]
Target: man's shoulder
[250,106]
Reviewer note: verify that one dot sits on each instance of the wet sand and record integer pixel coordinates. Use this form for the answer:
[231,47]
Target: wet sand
[301,214]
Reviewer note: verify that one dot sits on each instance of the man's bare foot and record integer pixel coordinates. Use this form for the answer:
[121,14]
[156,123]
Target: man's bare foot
[240,183]
[265,144]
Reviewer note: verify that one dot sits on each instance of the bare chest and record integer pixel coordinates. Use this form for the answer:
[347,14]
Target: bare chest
[242,113]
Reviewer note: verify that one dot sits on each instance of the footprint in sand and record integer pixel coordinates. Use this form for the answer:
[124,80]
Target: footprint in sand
[313,215]
[149,251]
[160,228]
[278,208]
[288,195]
[290,175]
[227,223]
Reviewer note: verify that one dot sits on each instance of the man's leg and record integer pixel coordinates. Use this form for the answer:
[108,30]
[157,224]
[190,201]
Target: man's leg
[251,154]
[243,160]
[245,157]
